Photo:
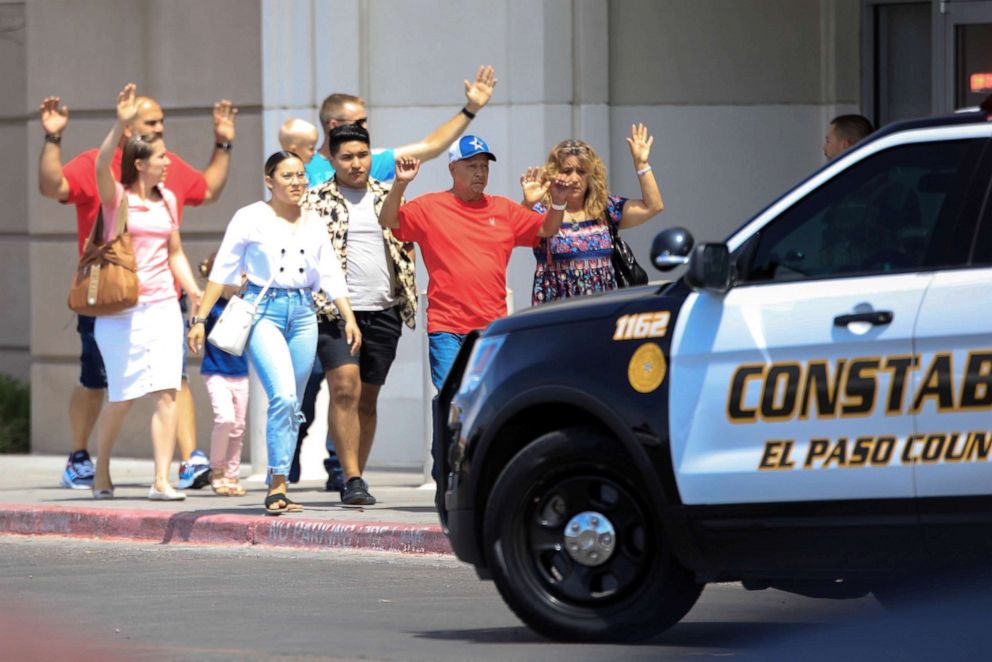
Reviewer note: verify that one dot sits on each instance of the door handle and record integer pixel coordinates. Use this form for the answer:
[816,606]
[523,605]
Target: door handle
[875,318]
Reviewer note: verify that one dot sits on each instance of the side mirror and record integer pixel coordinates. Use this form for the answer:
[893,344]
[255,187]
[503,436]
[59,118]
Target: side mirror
[709,268]
[670,248]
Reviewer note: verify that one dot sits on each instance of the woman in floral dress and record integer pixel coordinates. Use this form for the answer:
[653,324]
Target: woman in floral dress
[576,261]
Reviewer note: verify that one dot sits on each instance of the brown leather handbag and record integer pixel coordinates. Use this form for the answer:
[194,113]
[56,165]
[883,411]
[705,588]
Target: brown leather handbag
[106,281]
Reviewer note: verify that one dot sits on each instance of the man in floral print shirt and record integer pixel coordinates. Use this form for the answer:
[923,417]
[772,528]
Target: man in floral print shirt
[380,272]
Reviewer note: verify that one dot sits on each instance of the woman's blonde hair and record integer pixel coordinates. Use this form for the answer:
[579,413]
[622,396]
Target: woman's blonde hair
[596,193]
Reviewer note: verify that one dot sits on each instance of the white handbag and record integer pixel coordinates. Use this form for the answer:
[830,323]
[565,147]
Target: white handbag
[230,332]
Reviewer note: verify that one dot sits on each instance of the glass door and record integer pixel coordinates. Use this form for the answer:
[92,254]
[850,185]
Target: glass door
[963,54]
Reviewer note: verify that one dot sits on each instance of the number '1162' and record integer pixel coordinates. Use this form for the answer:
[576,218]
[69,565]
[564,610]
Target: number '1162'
[642,325]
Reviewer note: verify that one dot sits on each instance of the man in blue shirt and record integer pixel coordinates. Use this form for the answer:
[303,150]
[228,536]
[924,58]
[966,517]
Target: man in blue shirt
[339,109]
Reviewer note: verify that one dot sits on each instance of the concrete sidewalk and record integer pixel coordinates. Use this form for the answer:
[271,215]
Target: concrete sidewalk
[33,503]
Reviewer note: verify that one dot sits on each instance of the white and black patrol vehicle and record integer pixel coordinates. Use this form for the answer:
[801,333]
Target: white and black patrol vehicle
[808,408]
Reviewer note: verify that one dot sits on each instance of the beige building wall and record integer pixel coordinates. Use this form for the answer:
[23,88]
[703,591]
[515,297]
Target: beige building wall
[738,96]
[736,92]
[14,225]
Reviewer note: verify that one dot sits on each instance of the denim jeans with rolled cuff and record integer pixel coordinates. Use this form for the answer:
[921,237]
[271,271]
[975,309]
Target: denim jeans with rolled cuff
[281,349]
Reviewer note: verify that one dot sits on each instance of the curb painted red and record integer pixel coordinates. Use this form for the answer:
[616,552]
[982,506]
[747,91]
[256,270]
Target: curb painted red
[220,529]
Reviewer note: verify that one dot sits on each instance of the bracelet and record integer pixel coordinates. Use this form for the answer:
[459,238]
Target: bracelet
[468,113]
[560,207]
[54,138]
[645,170]
[224,146]
[194,320]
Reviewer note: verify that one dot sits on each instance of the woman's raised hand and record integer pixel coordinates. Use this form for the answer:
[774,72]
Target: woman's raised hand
[640,145]
[127,104]
[533,185]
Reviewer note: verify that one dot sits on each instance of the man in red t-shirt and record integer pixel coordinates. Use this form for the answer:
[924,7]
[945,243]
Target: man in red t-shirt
[465,237]
[75,183]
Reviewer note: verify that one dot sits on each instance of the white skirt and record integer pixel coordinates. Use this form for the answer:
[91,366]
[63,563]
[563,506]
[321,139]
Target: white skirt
[142,349]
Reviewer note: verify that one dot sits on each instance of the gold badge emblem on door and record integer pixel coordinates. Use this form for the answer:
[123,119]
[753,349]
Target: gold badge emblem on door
[647,368]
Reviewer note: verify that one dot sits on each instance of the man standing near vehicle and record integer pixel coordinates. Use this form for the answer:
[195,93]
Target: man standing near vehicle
[339,109]
[844,132]
[466,238]
[75,183]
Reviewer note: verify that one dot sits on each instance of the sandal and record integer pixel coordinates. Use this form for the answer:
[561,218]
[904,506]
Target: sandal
[235,489]
[275,504]
[278,503]
[220,486]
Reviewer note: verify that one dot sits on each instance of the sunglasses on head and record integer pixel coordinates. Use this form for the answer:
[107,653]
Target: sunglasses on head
[573,147]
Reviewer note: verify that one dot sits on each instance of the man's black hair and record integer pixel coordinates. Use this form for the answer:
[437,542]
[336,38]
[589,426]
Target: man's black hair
[851,128]
[346,133]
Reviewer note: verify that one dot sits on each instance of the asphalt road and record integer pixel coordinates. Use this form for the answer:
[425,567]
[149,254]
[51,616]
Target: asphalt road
[67,599]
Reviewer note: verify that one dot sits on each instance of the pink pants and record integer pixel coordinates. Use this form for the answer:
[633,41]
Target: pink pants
[229,399]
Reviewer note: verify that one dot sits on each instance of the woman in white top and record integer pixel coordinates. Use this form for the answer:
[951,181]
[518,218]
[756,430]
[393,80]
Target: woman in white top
[273,242]
[142,346]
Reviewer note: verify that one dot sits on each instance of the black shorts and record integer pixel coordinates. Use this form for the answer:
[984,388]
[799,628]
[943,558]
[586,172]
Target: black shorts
[381,331]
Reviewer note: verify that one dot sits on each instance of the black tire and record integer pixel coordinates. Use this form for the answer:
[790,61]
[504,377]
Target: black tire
[639,592]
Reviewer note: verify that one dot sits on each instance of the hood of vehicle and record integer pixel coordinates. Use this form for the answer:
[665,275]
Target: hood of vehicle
[585,308]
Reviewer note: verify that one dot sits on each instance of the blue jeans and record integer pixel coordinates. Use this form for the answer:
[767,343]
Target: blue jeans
[442,347]
[92,373]
[281,349]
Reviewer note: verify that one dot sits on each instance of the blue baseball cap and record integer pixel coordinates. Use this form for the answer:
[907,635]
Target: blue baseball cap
[468,146]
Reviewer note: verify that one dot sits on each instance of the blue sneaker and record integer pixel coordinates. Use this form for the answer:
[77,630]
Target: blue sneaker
[79,471]
[195,473]
[335,475]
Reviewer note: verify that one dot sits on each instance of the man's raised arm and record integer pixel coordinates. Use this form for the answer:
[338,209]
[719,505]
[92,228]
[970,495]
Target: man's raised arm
[477,95]
[54,118]
[220,161]
[406,169]
[552,220]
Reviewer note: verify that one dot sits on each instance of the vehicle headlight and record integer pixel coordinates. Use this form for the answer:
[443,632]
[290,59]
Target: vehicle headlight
[478,363]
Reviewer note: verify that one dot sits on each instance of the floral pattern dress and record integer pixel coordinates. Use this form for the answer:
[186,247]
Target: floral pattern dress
[576,261]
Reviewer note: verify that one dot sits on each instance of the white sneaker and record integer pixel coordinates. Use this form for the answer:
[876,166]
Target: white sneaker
[168,494]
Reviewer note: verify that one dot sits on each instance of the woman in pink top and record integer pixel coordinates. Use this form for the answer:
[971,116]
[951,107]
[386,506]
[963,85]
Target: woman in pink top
[141,347]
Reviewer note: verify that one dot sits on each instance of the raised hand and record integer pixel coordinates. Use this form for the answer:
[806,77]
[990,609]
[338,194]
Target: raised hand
[560,189]
[407,168]
[534,186]
[479,92]
[224,116]
[54,117]
[640,145]
[127,104]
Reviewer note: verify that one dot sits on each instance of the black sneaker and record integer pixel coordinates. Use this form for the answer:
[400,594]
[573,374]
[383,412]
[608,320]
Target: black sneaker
[356,493]
[334,484]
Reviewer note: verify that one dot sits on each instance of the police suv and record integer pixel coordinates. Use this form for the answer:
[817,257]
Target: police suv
[808,408]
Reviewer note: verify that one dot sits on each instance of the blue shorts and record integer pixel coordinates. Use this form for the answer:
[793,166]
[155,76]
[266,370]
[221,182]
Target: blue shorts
[92,374]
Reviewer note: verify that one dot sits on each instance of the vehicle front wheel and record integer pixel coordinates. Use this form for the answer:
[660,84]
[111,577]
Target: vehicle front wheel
[576,546]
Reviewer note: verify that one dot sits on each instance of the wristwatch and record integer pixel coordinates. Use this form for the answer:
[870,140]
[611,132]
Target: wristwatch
[194,320]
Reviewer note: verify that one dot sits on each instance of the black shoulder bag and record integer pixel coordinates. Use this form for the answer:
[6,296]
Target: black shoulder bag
[627,271]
